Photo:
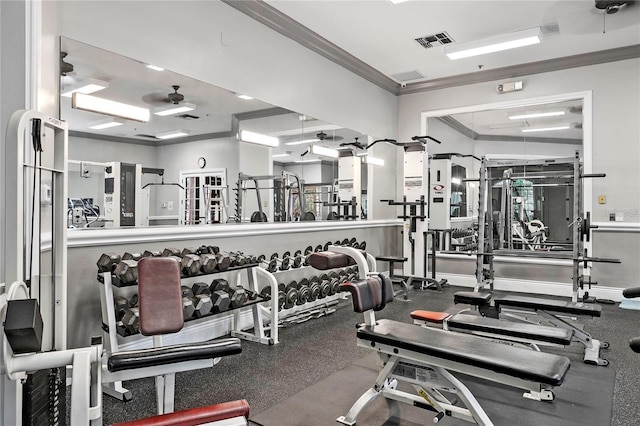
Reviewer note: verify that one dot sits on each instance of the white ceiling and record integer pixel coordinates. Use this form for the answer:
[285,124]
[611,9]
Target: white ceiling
[377,32]
[382,34]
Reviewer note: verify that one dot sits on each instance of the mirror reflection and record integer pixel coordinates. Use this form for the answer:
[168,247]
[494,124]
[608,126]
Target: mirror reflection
[532,198]
[183,162]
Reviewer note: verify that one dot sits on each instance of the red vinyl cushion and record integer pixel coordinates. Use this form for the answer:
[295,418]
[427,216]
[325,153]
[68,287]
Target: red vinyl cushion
[160,296]
[195,416]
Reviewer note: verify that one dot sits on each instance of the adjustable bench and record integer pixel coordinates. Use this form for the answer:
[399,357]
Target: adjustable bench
[552,311]
[526,334]
[426,357]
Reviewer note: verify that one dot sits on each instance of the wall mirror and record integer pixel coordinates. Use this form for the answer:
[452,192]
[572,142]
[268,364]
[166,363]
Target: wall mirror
[185,163]
[536,204]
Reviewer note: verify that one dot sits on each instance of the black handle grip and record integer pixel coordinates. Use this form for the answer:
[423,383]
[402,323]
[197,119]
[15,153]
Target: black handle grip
[634,344]
[630,293]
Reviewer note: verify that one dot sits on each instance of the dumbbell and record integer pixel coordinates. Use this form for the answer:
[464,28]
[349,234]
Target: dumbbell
[151,253]
[187,250]
[238,297]
[108,262]
[188,308]
[131,320]
[120,306]
[127,271]
[290,295]
[131,256]
[266,294]
[121,329]
[201,299]
[190,265]
[220,300]
[303,291]
[208,263]
[333,286]
[223,259]
[324,289]
[318,248]
[298,259]
[238,259]
[171,251]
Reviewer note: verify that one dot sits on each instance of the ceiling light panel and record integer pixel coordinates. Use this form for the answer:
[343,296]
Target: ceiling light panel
[546,129]
[108,107]
[90,85]
[257,138]
[494,44]
[154,67]
[105,124]
[302,142]
[539,114]
[179,133]
[174,109]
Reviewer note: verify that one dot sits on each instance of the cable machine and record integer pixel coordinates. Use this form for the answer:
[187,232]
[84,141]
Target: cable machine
[414,213]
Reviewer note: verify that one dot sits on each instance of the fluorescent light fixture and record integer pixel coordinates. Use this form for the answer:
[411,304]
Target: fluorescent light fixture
[546,129]
[494,44]
[373,160]
[154,67]
[105,106]
[456,181]
[302,142]
[284,154]
[252,137]
[324,151]
[397,1]
[245,97]
[317,160]
[362,154]
[174,109]
[105,124]
[87,86]
[522,116]
[172,134]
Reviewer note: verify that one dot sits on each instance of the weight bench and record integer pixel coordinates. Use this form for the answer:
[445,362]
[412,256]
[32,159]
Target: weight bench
[426,357]
[530,335]
[160,302]
[551,311]
[230,413]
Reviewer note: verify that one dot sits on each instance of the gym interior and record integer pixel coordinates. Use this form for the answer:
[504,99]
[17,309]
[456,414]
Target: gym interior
[267,212]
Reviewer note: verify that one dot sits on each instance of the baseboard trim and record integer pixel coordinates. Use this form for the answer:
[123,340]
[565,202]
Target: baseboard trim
[535,287]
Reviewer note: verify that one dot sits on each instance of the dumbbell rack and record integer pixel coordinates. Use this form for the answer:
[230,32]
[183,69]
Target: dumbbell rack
[197,329]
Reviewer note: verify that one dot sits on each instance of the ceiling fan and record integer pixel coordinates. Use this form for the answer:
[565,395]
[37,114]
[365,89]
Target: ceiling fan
[601,16]
[158,98]
[322,136]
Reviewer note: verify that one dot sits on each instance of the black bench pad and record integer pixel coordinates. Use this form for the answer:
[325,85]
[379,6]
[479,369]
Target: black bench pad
[471,350]
[142,358]
[541,333]
[472,298]
[560,306]
[391,259]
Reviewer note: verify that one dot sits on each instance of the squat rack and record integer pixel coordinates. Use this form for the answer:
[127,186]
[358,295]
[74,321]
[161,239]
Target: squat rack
[285,187]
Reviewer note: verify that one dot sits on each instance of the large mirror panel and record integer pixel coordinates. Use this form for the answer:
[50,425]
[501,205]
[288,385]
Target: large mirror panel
[185,165]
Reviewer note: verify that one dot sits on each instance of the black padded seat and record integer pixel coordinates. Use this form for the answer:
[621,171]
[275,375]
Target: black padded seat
[540,333]
[472,298]
[127,360]
[470,350]
[559,306]
[391,259]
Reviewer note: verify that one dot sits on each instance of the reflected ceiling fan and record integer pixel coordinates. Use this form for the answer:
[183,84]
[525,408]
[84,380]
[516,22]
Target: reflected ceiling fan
[160,98]
[322,136]
[355,143]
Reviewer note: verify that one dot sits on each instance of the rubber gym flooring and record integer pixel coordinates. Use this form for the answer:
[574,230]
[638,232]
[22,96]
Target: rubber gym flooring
[321,355]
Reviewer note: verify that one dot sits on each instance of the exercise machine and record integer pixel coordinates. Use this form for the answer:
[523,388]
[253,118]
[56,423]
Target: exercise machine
[427,359]
[348,196]
[125,201]
[630,293]
[414,205]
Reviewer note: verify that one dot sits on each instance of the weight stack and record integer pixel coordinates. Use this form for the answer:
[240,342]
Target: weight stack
[44,399]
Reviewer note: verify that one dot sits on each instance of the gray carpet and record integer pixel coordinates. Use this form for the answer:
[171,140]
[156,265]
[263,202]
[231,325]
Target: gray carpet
[585,398]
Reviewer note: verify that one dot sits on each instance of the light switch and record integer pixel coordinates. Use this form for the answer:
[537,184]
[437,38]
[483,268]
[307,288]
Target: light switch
[602,199]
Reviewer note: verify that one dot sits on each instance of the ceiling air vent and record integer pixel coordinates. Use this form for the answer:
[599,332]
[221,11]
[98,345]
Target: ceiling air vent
[429,41]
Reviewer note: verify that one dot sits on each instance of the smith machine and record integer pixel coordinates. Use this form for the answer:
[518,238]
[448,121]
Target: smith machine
[496,226]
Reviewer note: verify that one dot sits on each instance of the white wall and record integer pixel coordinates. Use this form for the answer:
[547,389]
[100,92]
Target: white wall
[226,48]
[616,124]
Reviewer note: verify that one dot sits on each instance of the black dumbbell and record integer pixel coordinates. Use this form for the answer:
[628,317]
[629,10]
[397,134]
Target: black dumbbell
[133,302]
[221,301]
[120,306]
[303,291]
[202,304]
[298,259]
[290,294]
[238,297]
[363,245]
[266,294]
[187,250]
[325,289]
[219,284]
[108,262]
[314,290]
[326,246]
[224,261]
[151,253]
[186,291]
[188,308]
[318,248]
[200,288]
[127,271]
[333,286]
[171,251]
[208,263]
[190,265]
[121,329]
[131,256]
[307,252]
[131,320]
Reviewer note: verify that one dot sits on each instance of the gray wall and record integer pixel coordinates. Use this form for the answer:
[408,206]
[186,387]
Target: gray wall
[616,142]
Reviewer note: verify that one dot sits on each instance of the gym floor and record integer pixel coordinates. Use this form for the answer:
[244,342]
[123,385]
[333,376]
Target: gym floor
[313,350]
